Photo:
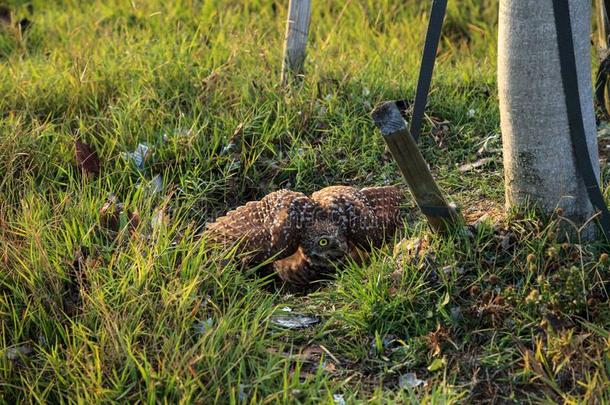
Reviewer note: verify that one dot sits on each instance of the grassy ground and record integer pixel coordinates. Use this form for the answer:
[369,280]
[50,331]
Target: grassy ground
[152,314]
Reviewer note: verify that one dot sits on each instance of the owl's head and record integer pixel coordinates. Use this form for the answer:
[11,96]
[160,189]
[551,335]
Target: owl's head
[324,243]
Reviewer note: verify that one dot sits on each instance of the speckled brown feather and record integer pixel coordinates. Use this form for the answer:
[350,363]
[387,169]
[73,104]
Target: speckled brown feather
[266,228]
[296,270]
[386,203]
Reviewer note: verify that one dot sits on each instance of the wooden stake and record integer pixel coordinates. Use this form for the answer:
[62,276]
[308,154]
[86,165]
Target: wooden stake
[428,196]
[602,24]
[297,30]
[603,32]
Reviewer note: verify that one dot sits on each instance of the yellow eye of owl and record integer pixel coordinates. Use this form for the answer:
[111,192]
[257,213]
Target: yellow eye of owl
[323,242]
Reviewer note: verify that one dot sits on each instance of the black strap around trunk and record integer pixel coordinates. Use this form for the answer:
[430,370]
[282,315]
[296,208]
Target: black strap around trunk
[569,78]
[433,36]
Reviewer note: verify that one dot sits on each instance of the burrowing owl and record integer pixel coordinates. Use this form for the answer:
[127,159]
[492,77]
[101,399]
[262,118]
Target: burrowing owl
[307,236]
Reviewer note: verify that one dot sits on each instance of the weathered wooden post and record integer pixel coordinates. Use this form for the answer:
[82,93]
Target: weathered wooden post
[603,24]
[602,90]
[440,214]
[297,30]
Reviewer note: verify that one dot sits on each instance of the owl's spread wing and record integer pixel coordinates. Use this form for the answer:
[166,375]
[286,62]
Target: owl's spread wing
[264,229]
[368,215]
[386,203]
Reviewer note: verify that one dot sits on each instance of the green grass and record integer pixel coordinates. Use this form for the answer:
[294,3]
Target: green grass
[516,318]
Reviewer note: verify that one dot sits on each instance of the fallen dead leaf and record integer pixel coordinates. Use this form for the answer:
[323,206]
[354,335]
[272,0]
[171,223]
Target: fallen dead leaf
[5,15]
[24,24]
[15,353]
[110,214]
[491,145]
[160,219]
[436,338]
[76,283]
[440,130]
[474,165]
[114,216]
[134,221]
[86,159]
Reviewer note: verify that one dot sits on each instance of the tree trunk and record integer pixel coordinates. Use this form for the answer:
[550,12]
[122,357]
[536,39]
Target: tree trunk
[538,159]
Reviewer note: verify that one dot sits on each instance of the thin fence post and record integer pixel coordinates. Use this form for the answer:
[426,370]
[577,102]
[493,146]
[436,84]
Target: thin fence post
[297,30]
[602,24]
[603,31]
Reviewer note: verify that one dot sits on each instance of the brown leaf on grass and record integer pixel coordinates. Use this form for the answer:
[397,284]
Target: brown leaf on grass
[19,352]
[311,353]
[440,130]
[493,308]
[475,165]
[76,282]
[316,357]
[312,358]
[134,221]
[24,25]
[5,15]
[86,159]
[110,214]
[436,338]
[160,219]
[115,216]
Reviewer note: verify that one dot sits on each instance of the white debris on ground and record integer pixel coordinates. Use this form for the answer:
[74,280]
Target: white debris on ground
[139,156]
[14,353]
[338,398]
[295,321]
[202,327]
[410,380]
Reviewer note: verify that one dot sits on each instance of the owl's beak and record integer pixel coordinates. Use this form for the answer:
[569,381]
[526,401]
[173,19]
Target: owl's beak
[335,255]
[327,257]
